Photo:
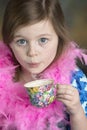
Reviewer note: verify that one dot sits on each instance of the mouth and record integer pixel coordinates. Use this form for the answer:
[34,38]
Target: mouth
[33,65]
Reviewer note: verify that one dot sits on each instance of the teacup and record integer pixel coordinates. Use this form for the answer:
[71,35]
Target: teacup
[42,92]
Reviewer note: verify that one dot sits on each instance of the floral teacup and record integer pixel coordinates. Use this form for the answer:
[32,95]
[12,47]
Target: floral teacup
[42,92]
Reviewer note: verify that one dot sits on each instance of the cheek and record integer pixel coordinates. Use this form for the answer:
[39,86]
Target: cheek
[18,54]
[49,54]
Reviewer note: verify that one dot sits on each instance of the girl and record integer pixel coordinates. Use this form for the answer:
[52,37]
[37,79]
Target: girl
[36,45]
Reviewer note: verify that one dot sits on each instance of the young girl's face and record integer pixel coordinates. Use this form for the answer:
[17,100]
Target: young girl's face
[35,46]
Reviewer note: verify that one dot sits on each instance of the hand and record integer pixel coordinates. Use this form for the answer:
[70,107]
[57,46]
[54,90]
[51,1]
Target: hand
[70,97]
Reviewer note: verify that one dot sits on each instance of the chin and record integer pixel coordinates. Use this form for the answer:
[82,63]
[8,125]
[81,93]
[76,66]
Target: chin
[35,72]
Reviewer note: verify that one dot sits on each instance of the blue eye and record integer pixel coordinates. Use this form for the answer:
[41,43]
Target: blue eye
[21,42]
[43,40]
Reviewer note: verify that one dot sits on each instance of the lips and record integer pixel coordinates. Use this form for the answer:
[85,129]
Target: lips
[33,65]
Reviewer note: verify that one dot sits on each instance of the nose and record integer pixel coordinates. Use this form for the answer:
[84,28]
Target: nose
[31,52]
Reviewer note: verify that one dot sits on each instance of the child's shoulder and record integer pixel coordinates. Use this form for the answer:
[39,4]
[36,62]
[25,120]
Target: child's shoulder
[79,81]
[82,63]
[78,76]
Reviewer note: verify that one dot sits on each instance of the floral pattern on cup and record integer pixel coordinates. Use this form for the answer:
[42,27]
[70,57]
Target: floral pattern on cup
[42,96]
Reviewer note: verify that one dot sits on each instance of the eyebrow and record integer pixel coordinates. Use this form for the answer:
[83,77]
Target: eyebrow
[18,36]
[47,34]
[41,35]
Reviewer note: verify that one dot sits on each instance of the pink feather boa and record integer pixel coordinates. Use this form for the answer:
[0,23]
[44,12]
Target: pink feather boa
[16,111]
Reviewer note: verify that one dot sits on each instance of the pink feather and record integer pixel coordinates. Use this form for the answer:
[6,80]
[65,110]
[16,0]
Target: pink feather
[16,111]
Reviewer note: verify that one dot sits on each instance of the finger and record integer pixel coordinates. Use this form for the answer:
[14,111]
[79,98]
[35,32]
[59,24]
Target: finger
[64,101]
[64,86]
[65,91]
[65,97]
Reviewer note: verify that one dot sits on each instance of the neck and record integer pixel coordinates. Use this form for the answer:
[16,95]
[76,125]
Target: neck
[27,77]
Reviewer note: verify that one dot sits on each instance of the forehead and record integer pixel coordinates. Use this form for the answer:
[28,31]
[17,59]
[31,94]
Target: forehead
[44,26]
